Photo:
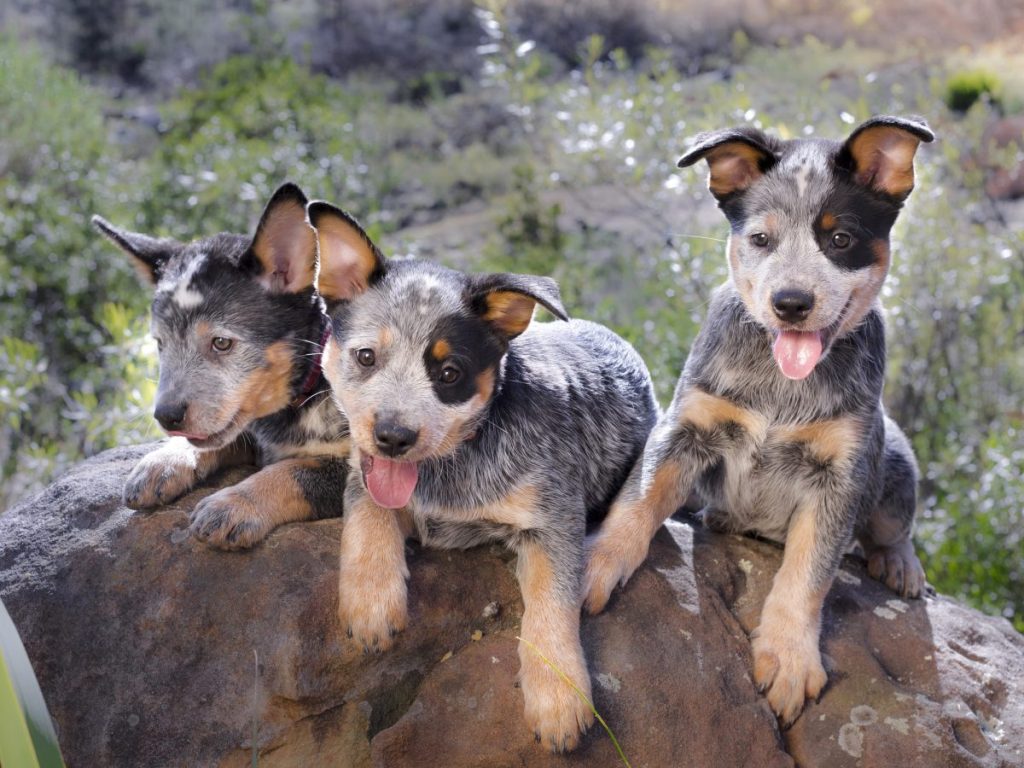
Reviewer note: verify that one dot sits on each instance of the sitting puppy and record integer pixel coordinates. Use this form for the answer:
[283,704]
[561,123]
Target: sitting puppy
[470,425]
[777,418]
[240,329]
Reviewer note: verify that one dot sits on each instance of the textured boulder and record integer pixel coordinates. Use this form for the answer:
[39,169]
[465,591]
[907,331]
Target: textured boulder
[152,649]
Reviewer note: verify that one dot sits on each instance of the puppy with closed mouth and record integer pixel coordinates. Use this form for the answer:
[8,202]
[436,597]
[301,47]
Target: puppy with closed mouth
[777,418]
[472,424]
[240,328]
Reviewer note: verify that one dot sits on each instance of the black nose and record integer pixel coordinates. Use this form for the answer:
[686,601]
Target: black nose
[393,439]
[170,415]
[792,305]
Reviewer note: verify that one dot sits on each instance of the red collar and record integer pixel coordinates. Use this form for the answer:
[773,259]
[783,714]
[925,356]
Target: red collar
[313,377]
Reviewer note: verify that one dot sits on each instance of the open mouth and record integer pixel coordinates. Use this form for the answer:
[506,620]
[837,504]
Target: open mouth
[389,482]
[797,353]
[215,440]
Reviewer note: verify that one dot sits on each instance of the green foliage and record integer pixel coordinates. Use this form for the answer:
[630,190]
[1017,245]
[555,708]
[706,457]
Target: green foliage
[27,738]
[964,88]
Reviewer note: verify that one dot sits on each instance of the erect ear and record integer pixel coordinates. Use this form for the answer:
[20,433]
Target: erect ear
[737,158]
[349,260]
[506,301]
[149,254]
[284,245]
[880,153]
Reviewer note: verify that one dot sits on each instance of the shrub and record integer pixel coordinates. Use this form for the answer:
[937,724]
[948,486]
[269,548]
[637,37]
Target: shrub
[963,89]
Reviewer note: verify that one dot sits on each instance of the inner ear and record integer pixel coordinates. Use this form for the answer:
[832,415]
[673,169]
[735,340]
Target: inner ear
[881,152]
[737,157]
[348,258]
[508,311]
[284,244]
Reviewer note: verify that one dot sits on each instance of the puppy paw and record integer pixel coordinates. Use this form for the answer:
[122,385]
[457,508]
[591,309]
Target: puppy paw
[787,668]
[554,711]
[372,607]
[229,520]
[898,568]
[611,560]
[160,477]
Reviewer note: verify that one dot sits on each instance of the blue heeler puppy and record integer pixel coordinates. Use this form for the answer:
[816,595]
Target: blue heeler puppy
[777,418]
[472,424]
[240,328]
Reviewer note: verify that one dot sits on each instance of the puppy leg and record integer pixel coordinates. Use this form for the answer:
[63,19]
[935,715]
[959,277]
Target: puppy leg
[787,660]
[695,433]
[886,535]
[285,492]
[548,571]
[173,469]
[372,593]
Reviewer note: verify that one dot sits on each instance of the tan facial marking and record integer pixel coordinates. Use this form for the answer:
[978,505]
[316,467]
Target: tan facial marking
[268,389]
[485,384]
[828,221]
[441,349]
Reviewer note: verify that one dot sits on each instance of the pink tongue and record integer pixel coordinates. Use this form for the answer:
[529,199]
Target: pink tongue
[390,483]
[797,352]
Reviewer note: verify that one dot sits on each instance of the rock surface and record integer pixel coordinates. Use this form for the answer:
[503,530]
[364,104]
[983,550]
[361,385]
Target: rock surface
[154,650]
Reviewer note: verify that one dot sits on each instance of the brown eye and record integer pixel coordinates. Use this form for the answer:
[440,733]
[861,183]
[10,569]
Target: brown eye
[450,374]
[221,344]
[366,357]
[841,240]
[759,239]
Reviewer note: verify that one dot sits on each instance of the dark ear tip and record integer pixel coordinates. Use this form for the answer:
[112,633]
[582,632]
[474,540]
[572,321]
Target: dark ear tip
[289,190]
[100,223]
[315,209]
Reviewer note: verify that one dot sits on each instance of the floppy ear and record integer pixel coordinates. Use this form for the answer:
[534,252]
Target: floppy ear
[349,260]
[506,301]
[737,158]
[284,245]
[149,254]
[880,153]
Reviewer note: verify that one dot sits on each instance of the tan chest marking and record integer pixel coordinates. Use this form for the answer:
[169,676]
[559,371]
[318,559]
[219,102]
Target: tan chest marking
[516,509]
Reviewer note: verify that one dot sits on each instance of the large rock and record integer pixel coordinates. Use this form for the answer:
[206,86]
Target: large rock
[154,650]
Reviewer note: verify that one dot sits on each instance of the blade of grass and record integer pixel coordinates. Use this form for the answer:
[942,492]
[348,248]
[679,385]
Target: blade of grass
[581,694]
[27,737]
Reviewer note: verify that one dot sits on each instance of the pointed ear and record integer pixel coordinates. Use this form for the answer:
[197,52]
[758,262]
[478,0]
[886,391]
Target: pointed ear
[284,245]
[349,260]
[880,153]
[149,254]
[737,158]
[506,301]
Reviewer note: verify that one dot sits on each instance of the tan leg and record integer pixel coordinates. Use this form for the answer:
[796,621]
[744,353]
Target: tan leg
[691,436]
[244,514]
[551,624]
[173,469]
[787,660]
[622,542]
[372,591]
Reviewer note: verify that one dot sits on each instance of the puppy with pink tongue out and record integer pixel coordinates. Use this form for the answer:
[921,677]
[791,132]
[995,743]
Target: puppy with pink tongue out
[777,420]
[471,424]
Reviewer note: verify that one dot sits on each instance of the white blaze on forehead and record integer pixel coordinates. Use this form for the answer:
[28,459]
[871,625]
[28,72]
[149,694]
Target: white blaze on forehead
[180,287]
[801,163]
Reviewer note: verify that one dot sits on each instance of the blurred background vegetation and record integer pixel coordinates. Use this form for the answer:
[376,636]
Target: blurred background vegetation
[525,135]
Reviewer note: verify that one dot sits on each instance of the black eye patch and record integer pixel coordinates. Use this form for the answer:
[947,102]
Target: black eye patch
[468,345]
[866,218]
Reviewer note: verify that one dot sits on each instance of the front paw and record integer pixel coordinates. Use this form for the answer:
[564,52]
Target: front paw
[372,607]
[160,478]
[787,667]
[898,568]
[611,560]
[554,711]
[229,519]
